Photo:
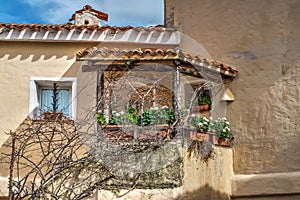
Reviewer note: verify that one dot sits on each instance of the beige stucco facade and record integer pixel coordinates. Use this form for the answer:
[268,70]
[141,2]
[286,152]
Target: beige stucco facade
[19,62]
[262,39]
[49,59]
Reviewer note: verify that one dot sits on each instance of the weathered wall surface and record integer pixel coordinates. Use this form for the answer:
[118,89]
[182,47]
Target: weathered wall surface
[262,39]
[19,61]
[209,180]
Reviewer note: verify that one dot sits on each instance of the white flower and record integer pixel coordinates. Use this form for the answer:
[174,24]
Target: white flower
[118,114]
[122,113]
[210,118]
[99,111]
[224,118]
[193,115]
[164,107]
[205,123]
[155,108]
[227,122]
[114,111]
[200,124]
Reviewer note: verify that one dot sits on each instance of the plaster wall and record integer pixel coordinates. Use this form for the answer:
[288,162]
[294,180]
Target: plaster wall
[262,39]
[19,61]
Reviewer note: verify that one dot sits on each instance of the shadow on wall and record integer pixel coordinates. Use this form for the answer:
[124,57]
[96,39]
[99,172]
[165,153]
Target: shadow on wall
[38,51]
[204,193]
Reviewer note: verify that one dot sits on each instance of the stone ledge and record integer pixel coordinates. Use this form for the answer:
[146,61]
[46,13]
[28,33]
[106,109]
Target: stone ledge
[266,184]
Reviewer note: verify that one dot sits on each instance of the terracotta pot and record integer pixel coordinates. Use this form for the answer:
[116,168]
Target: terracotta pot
[110,127]
[201,136]
[129,132]
[53,116]
[203,107]
[213,137]
[225,142]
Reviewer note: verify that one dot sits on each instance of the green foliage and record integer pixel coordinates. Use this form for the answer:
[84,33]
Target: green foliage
[204,100]
[221,126]
[152,116]
[117,118]
[201,123]
[100,117]
[132,115]
[169,115]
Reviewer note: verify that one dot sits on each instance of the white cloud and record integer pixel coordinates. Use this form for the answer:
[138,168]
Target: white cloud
[121,12]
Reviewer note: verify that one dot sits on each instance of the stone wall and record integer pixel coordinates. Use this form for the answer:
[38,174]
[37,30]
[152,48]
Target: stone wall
[205,180]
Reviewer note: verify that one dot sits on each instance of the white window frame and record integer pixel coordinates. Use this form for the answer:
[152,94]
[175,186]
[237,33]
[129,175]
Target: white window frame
[35,92]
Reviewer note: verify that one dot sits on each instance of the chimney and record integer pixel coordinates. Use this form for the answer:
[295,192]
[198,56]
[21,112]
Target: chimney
[88,16]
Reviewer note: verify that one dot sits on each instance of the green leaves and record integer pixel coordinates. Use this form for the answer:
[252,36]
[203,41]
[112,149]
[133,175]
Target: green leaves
[100,117]
[201,123]
[221,125]
[153,116]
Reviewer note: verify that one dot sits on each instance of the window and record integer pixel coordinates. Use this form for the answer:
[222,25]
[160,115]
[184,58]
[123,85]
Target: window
[41,96]
[63,100]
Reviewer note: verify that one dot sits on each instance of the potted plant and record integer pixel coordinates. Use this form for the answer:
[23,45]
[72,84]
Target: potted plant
[155,119]
[219,132]
[155,116]
[204,102]
[53,114]
[201,124]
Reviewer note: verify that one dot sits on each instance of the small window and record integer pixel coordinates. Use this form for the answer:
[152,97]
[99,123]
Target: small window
[42,94]
[63,100]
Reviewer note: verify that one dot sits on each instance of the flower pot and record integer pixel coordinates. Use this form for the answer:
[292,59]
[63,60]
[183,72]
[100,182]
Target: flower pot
[53,116]
[203,107]
[110,127]
[225,142]
[213,137]
[201,136]
[129,132]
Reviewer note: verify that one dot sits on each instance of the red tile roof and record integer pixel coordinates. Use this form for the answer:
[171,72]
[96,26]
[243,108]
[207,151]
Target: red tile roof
[70,26]
[115,54]
[70,32]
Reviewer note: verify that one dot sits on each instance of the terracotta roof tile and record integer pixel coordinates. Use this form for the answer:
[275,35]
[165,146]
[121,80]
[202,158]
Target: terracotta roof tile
[69,32]
[69,26]
[115,54]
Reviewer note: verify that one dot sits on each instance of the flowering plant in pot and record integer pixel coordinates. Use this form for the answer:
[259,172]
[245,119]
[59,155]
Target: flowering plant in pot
[202,125]
[220,132]
[204,102]
[152,116]
[155,116]
[156,120]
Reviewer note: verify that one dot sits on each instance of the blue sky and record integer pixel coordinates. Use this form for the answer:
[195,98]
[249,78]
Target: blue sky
[121,12]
